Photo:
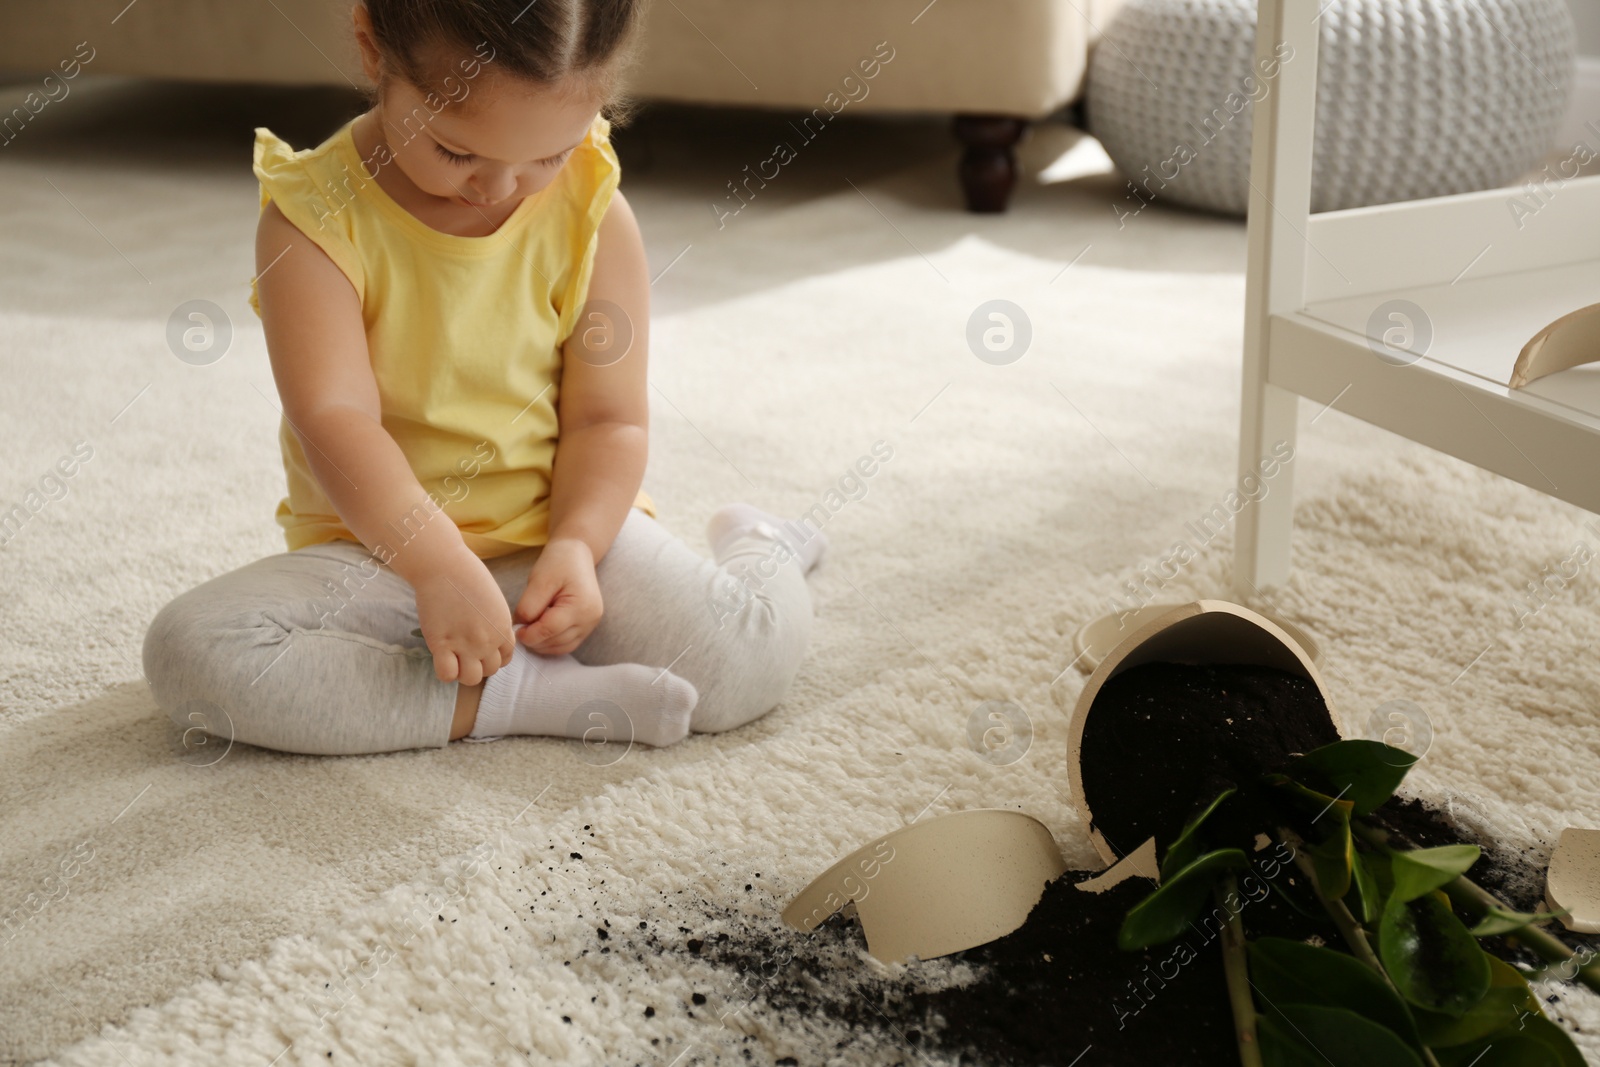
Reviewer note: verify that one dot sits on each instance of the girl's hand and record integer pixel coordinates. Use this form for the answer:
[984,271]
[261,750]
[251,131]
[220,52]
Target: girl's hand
[464,620]
[562,604]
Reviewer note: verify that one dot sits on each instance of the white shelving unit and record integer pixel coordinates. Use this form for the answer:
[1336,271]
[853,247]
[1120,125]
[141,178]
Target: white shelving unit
[1485,274]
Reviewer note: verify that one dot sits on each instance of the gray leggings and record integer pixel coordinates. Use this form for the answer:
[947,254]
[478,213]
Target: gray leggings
[312,651]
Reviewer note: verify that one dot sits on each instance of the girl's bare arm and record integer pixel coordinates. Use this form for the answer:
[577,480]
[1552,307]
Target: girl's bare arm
[318,348]
[604,410]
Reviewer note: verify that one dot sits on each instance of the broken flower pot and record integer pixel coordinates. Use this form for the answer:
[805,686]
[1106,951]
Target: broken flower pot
[1573,881]
[970,877]
[1096,638]
[1191,697]
[937,887]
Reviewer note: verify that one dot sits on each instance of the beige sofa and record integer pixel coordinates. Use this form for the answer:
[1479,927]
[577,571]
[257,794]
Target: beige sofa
[994,64]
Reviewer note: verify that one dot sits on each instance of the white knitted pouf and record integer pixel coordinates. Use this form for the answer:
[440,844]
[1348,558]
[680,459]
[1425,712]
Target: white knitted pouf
[1415,98]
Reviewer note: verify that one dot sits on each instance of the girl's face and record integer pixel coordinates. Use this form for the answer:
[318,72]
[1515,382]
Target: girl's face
[503,140]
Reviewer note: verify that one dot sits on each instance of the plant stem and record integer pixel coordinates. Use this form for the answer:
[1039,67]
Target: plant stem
[1475,900]
[1236,966]
[1354,934]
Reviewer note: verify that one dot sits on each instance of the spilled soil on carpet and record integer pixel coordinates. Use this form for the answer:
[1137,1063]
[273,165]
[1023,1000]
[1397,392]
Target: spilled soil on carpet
[1163,740]
[1057,991]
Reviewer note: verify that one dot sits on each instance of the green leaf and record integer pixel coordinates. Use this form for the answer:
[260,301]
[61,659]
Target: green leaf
[1334,858]
[1367,887]
[1504,976]
[1554,1038]
[1165,914]
[1281,1047]
[1187,848]
[1508,1001]
[1497,1010]
[1335,1036]
[1292,972]
[1382,873]
[1366,773]
[1315,803]
[1497,921]
[1421,871]
[1431,957]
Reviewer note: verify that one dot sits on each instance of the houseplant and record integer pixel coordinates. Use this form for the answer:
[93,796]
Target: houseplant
[1412,986]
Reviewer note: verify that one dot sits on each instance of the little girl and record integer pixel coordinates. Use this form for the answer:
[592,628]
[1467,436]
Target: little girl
[456,305]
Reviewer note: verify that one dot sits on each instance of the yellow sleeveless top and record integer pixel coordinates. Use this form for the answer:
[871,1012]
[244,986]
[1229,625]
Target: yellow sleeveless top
[464,334]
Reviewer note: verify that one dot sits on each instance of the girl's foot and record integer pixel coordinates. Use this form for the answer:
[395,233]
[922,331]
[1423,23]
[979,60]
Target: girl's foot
[733,521]
[542,695]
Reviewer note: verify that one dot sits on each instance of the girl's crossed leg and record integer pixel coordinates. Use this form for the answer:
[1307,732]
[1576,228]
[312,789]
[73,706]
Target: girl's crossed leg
[312,651]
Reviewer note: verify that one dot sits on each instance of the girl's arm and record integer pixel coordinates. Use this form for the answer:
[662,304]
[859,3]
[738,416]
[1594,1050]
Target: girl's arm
[318,347]
[604,415]
[317,343]
[604,411]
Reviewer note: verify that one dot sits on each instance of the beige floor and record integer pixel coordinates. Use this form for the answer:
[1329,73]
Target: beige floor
[216,901]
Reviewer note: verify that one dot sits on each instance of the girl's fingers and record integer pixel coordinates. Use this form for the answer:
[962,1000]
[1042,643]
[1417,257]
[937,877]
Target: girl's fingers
[533,601]
[553,622]
[445,666]
[556,641]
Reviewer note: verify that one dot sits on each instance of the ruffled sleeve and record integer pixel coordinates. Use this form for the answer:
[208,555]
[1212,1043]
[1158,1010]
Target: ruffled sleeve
[290,179]
[594,173]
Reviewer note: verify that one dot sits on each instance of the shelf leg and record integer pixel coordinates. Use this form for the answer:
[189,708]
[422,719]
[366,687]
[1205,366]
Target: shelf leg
[1267,429]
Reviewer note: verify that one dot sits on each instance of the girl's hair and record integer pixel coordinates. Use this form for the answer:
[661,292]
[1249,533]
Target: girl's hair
[543,41]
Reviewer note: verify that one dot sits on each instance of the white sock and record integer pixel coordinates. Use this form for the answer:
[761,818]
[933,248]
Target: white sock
[733,521]
[543,695]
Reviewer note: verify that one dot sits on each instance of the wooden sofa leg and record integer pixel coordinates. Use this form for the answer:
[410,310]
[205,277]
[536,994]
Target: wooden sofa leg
[989,164]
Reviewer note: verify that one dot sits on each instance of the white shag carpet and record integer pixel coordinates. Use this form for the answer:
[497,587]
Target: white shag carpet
[270,908]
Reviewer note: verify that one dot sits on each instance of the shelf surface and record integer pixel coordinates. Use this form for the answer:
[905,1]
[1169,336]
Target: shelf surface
[1478,326]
